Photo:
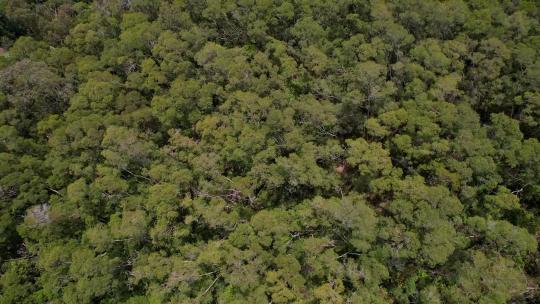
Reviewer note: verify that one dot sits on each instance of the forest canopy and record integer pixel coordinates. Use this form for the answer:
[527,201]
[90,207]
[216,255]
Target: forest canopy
[269,151]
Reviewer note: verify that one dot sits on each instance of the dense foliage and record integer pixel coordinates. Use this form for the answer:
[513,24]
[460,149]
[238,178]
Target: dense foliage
[269,151]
